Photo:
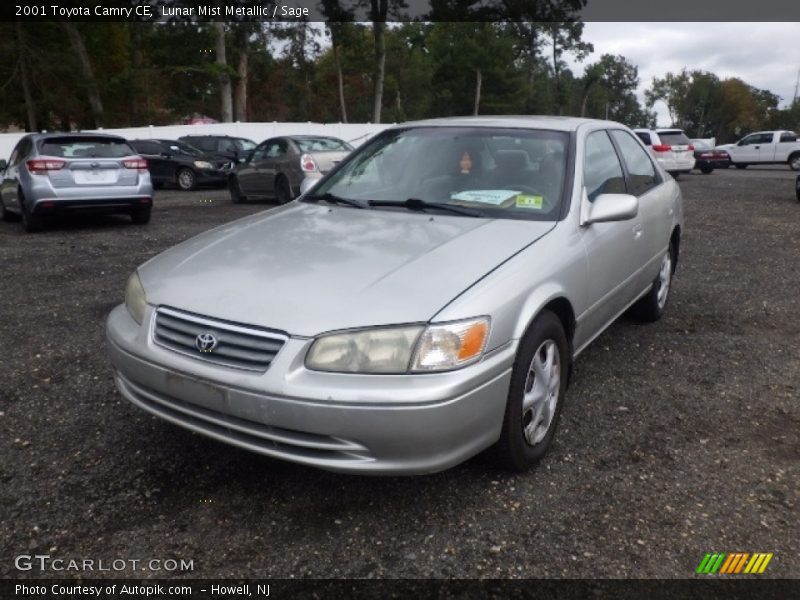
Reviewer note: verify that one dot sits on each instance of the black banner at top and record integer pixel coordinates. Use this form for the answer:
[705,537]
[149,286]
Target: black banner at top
[403,10]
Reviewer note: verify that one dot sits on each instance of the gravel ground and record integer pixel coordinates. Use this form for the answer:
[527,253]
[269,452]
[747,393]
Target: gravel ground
[678,438]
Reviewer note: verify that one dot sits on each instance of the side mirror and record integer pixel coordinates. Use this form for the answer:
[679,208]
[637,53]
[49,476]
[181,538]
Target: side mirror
[612,207]
[3,164]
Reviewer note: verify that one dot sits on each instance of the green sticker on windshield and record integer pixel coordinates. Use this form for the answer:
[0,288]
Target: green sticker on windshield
[525,201]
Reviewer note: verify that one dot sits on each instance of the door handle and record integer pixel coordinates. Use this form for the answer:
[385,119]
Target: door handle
[637,231]
[757,147]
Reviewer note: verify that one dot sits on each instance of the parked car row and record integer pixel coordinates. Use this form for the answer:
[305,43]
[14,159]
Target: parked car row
[52,173]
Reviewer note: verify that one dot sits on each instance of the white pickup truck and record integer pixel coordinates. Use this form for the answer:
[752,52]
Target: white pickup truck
[765,147]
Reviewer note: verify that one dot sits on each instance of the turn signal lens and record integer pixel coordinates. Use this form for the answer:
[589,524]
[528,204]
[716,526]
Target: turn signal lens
[451,345]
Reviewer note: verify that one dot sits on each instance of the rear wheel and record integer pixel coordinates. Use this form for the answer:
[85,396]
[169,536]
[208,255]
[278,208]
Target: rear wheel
[706,169]
[651,306]
[141,216]
[187,180]
[536,393]
[794,161]
[236,191]
[5,214]
[32,223]
[283,191]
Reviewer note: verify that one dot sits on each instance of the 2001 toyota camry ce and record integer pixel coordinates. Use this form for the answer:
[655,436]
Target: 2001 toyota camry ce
[421,303]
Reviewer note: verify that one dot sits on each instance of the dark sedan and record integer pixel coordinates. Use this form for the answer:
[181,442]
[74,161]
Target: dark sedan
[176,163]
[707,158]
[278,166]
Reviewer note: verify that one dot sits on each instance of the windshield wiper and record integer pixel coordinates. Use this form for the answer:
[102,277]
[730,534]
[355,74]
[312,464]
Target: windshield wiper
[418,204]
[334,199]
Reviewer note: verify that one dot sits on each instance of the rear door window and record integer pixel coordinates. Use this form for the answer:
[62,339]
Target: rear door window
[788,137]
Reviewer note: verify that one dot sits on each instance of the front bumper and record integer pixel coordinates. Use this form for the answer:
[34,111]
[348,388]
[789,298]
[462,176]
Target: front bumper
[370,424]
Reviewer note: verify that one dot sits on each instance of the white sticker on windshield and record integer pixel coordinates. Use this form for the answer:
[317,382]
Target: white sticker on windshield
[493,197]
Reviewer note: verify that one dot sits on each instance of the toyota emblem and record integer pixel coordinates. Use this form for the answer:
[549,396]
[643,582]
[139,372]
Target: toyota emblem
[205,342]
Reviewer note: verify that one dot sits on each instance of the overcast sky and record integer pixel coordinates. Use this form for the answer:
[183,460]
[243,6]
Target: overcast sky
[766,55]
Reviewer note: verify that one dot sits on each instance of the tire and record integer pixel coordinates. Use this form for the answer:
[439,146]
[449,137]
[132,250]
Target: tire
[797,188]
[32,223]
[236,191]
[6,215]
[740,165]
[794,161]
[141,216]
[186,179]
[651,306]
[535,399]
[706,169]
[283,191]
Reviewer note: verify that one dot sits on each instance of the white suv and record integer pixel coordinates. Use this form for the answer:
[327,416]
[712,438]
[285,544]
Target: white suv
[670,147]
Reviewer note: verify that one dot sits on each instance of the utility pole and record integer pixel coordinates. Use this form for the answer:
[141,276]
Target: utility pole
[796,86]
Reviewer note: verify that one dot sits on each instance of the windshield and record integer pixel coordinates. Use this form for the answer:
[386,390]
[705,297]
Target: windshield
[505,173]
[322,144]
[244,145]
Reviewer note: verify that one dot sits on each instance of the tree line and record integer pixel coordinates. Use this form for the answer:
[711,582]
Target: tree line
[84,75]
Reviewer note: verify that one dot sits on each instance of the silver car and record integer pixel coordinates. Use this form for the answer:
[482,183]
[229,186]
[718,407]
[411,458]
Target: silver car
[52,173]
[425,301]
[282,167]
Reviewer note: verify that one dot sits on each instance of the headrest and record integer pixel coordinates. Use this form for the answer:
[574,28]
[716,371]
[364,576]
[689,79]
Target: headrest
[516,160]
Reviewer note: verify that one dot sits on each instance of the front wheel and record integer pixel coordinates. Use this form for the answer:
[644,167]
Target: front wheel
[652,305]
[187,180]
[535,396]
[235,190]
[794,162]
[740,165]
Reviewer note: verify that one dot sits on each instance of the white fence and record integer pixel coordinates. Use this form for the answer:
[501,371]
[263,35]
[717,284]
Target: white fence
[355,133]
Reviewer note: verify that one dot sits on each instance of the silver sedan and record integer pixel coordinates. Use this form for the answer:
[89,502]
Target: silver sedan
[423,302]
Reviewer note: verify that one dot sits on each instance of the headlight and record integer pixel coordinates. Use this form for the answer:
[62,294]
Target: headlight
[367,351]
[440,347]
[451,345]
[202,164]
[135,300]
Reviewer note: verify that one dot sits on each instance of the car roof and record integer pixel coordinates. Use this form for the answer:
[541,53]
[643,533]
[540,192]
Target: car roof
[75,134]
[214,135]
[511,121]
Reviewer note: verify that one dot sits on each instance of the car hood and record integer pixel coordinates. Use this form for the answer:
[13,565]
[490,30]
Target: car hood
[306,269]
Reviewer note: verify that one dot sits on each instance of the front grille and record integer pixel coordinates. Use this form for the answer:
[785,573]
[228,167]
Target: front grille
[238,346]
